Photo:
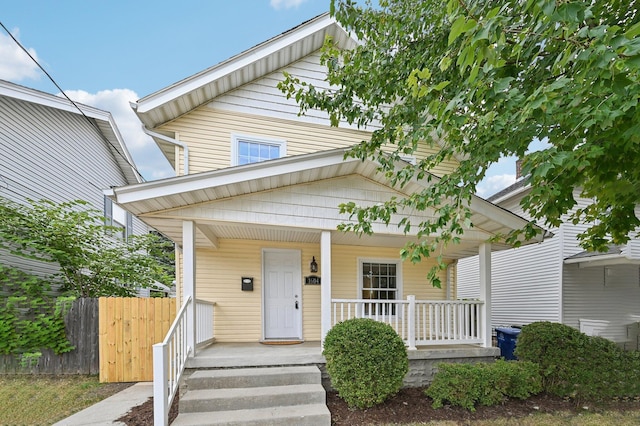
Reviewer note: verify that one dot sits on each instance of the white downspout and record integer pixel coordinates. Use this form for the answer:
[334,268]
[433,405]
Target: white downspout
[174,142]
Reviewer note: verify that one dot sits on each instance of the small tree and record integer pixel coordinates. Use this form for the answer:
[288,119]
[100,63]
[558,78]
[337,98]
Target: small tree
[92,261]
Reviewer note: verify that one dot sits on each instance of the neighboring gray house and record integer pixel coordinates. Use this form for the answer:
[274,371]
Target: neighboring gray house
[598,293]
[52,151]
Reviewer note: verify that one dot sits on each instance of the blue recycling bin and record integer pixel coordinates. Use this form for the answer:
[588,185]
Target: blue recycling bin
[507,337]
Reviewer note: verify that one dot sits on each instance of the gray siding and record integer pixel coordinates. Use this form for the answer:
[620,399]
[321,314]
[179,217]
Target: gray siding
[49,153]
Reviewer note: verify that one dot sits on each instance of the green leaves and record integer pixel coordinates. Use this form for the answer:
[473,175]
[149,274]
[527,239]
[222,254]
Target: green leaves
[474,81]
[460,26]
[72,235]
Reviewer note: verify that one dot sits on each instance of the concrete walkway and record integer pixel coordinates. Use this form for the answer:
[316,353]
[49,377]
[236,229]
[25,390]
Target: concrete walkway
[108,410]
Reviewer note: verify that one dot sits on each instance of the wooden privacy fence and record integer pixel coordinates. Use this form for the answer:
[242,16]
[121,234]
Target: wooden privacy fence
[81,323]
[128,329]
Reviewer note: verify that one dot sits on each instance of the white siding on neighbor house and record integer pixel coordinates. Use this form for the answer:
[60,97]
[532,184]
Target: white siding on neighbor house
[570,243]
[525,283]
[633,247]
[599,293]
[53,154]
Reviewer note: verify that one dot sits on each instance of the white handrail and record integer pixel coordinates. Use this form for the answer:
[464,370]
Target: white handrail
[169,359]
[204,322]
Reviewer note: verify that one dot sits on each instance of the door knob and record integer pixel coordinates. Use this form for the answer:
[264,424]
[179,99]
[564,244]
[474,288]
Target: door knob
[297,305]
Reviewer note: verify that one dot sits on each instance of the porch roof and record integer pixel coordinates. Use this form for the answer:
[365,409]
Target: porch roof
[164,204]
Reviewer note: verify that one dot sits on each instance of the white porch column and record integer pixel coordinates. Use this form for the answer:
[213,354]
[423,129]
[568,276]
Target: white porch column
[325,286]
[485,293]
[189,279]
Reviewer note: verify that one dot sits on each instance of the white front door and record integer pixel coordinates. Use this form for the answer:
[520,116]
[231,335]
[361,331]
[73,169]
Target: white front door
[282,294]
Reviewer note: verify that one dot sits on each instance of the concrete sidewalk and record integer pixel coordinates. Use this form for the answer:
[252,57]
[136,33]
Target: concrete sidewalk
[108,410]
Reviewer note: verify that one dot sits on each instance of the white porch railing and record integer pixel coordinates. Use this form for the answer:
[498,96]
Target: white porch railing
[204,322]
[170,356]
[418,322]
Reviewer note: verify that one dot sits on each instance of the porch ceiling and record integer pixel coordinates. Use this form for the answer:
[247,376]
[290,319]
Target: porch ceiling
[173,229]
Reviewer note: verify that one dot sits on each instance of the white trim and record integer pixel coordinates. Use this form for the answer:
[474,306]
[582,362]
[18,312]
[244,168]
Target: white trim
[395,261]
[237,137]
[325,287]
[298,254]
[235,63]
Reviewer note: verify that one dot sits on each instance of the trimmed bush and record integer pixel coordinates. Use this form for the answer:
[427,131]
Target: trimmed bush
[575,365]
[366,361]
[468,385]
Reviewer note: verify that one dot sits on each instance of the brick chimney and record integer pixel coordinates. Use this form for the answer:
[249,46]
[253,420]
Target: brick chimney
[518,168]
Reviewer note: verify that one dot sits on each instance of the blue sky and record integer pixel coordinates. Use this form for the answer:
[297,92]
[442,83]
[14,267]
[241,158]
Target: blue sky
[109,53]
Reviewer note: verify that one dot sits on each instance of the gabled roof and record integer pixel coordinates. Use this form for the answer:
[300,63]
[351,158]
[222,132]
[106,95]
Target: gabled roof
[163,203]
[103,120]
[184,96]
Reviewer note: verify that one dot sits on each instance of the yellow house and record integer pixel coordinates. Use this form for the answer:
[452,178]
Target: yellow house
[254,211]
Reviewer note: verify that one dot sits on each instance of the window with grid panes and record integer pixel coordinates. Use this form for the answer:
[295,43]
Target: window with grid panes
[248,150]
[379,282]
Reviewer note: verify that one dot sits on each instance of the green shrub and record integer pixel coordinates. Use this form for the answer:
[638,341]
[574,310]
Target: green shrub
[575,365]
[366,361]
[468,385]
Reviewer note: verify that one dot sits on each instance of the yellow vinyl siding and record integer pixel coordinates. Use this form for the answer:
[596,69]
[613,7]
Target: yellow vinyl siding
[208,132]
[238,314]
[414,276]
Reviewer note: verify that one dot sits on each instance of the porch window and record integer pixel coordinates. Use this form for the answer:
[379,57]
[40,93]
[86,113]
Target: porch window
[250,149]
[379,281]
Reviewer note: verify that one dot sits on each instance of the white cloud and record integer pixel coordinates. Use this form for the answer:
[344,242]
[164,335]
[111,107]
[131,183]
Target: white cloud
[493,184]
[286,4]
[146,155]
[15,64]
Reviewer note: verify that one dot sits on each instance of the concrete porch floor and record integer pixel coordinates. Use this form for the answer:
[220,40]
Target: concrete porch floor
[238,355]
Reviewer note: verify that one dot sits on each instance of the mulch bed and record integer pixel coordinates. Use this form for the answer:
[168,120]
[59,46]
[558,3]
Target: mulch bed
[411,405]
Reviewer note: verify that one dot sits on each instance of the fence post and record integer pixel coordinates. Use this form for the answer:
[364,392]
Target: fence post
[160,389]
[412,322]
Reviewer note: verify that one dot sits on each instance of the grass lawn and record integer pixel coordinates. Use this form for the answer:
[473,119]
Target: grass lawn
[610,418]
[44,400]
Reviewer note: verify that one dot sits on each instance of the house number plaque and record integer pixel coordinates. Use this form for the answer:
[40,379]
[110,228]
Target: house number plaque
[312,279]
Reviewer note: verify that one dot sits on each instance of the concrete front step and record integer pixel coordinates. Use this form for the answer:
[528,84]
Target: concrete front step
[252,377]
[203,400]
[299,415]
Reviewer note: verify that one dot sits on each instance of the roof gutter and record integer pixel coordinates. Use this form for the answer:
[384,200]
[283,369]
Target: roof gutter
[173,142]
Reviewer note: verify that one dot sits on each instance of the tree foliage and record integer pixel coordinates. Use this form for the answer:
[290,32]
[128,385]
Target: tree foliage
[92,261]
[478,80]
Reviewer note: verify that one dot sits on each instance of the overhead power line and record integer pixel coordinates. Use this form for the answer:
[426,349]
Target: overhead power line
[91,122]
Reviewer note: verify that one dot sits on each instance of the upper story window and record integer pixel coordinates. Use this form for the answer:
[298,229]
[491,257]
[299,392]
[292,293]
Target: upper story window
[119,218]
[251,149]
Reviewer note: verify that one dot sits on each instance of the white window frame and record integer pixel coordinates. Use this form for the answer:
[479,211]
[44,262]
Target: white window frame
[397,262]
[237,137]
[112,211]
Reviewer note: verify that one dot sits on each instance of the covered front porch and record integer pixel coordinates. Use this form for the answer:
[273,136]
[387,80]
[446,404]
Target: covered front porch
[264,223]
